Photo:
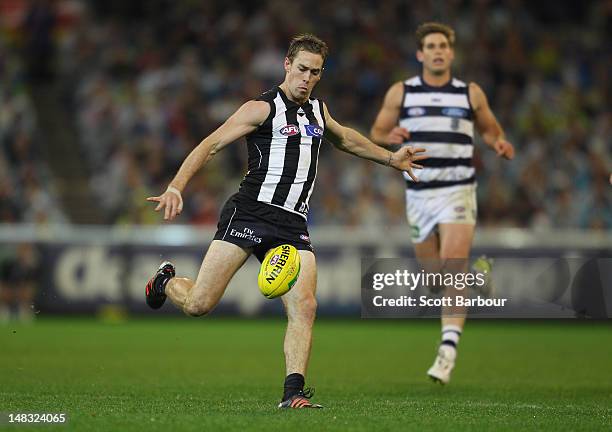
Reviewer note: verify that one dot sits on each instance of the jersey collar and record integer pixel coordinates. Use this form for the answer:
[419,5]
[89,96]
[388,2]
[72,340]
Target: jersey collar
[442,87]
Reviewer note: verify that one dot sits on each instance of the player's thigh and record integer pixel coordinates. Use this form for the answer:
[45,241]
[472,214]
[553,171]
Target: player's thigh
[428,253]
[221,262]
[302,295]
[428,248]
[455,240]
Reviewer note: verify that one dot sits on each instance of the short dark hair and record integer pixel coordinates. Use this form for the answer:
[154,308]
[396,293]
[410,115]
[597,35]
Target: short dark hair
[434,27]
[307,42]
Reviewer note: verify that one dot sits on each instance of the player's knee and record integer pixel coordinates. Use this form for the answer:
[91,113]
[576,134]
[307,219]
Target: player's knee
[310,305]
[306,308]
[196,309]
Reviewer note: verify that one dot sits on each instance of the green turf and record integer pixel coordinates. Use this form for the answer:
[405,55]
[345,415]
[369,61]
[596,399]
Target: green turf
[219,374]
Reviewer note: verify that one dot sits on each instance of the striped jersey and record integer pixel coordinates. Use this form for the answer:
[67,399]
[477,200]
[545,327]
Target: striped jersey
[441,120]
[284,152]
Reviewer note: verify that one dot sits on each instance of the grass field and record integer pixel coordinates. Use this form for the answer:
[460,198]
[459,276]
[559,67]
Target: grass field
[220,374]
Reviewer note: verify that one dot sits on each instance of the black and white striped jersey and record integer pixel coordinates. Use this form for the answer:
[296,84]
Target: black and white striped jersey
[284,152]
[441,120]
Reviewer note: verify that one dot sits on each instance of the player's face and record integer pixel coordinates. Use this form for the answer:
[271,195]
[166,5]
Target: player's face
[303,73]
[437,55]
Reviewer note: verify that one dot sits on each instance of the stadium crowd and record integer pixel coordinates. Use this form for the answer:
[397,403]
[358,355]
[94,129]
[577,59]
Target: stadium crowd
[149,79]
[26,192]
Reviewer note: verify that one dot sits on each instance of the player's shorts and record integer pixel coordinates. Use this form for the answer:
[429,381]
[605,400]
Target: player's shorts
[259,227]
[451,205]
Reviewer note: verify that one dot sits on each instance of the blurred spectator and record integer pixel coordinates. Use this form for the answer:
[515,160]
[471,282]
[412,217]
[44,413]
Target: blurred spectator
[38,46]
[26,189]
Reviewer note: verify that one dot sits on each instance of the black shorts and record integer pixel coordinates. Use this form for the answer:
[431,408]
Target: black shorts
[260,227]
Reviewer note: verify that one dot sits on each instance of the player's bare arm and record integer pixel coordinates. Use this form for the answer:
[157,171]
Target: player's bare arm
[385,131]
[351,141]
[487,125]
[244,121]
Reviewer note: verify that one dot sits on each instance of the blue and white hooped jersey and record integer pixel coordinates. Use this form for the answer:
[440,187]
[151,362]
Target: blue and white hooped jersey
[441,120]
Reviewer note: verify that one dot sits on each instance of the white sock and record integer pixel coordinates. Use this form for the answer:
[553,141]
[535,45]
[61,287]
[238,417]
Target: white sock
[450,336]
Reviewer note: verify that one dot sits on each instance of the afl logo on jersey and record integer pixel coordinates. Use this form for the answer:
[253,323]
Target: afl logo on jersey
[290,130]
[416,112]
[314,130]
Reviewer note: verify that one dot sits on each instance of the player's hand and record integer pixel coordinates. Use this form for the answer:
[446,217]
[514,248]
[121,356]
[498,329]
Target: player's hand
[398,135]
[404,159]
[504,149]
[171,201]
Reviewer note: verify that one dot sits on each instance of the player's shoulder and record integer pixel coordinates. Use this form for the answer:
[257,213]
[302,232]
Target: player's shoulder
[268,95]
[319,106]
[457,83]
[256,105]
[414,81]
[477,96]
[396,87]
[475,90]
[323,106]
[460,87]
[316,100]
[254,111]
[473,85]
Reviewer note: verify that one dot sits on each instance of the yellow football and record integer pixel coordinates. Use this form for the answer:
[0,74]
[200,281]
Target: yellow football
[279,271]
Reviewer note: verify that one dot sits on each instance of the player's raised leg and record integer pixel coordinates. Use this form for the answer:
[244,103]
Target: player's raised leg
[301,305]
[455,245]
[199,297]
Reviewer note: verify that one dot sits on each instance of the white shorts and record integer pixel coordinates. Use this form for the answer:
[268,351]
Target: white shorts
[456,204]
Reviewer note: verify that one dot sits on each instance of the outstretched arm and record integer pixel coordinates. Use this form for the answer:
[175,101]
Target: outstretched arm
[385,131]
[244,121]
[351,141]
[487,125]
